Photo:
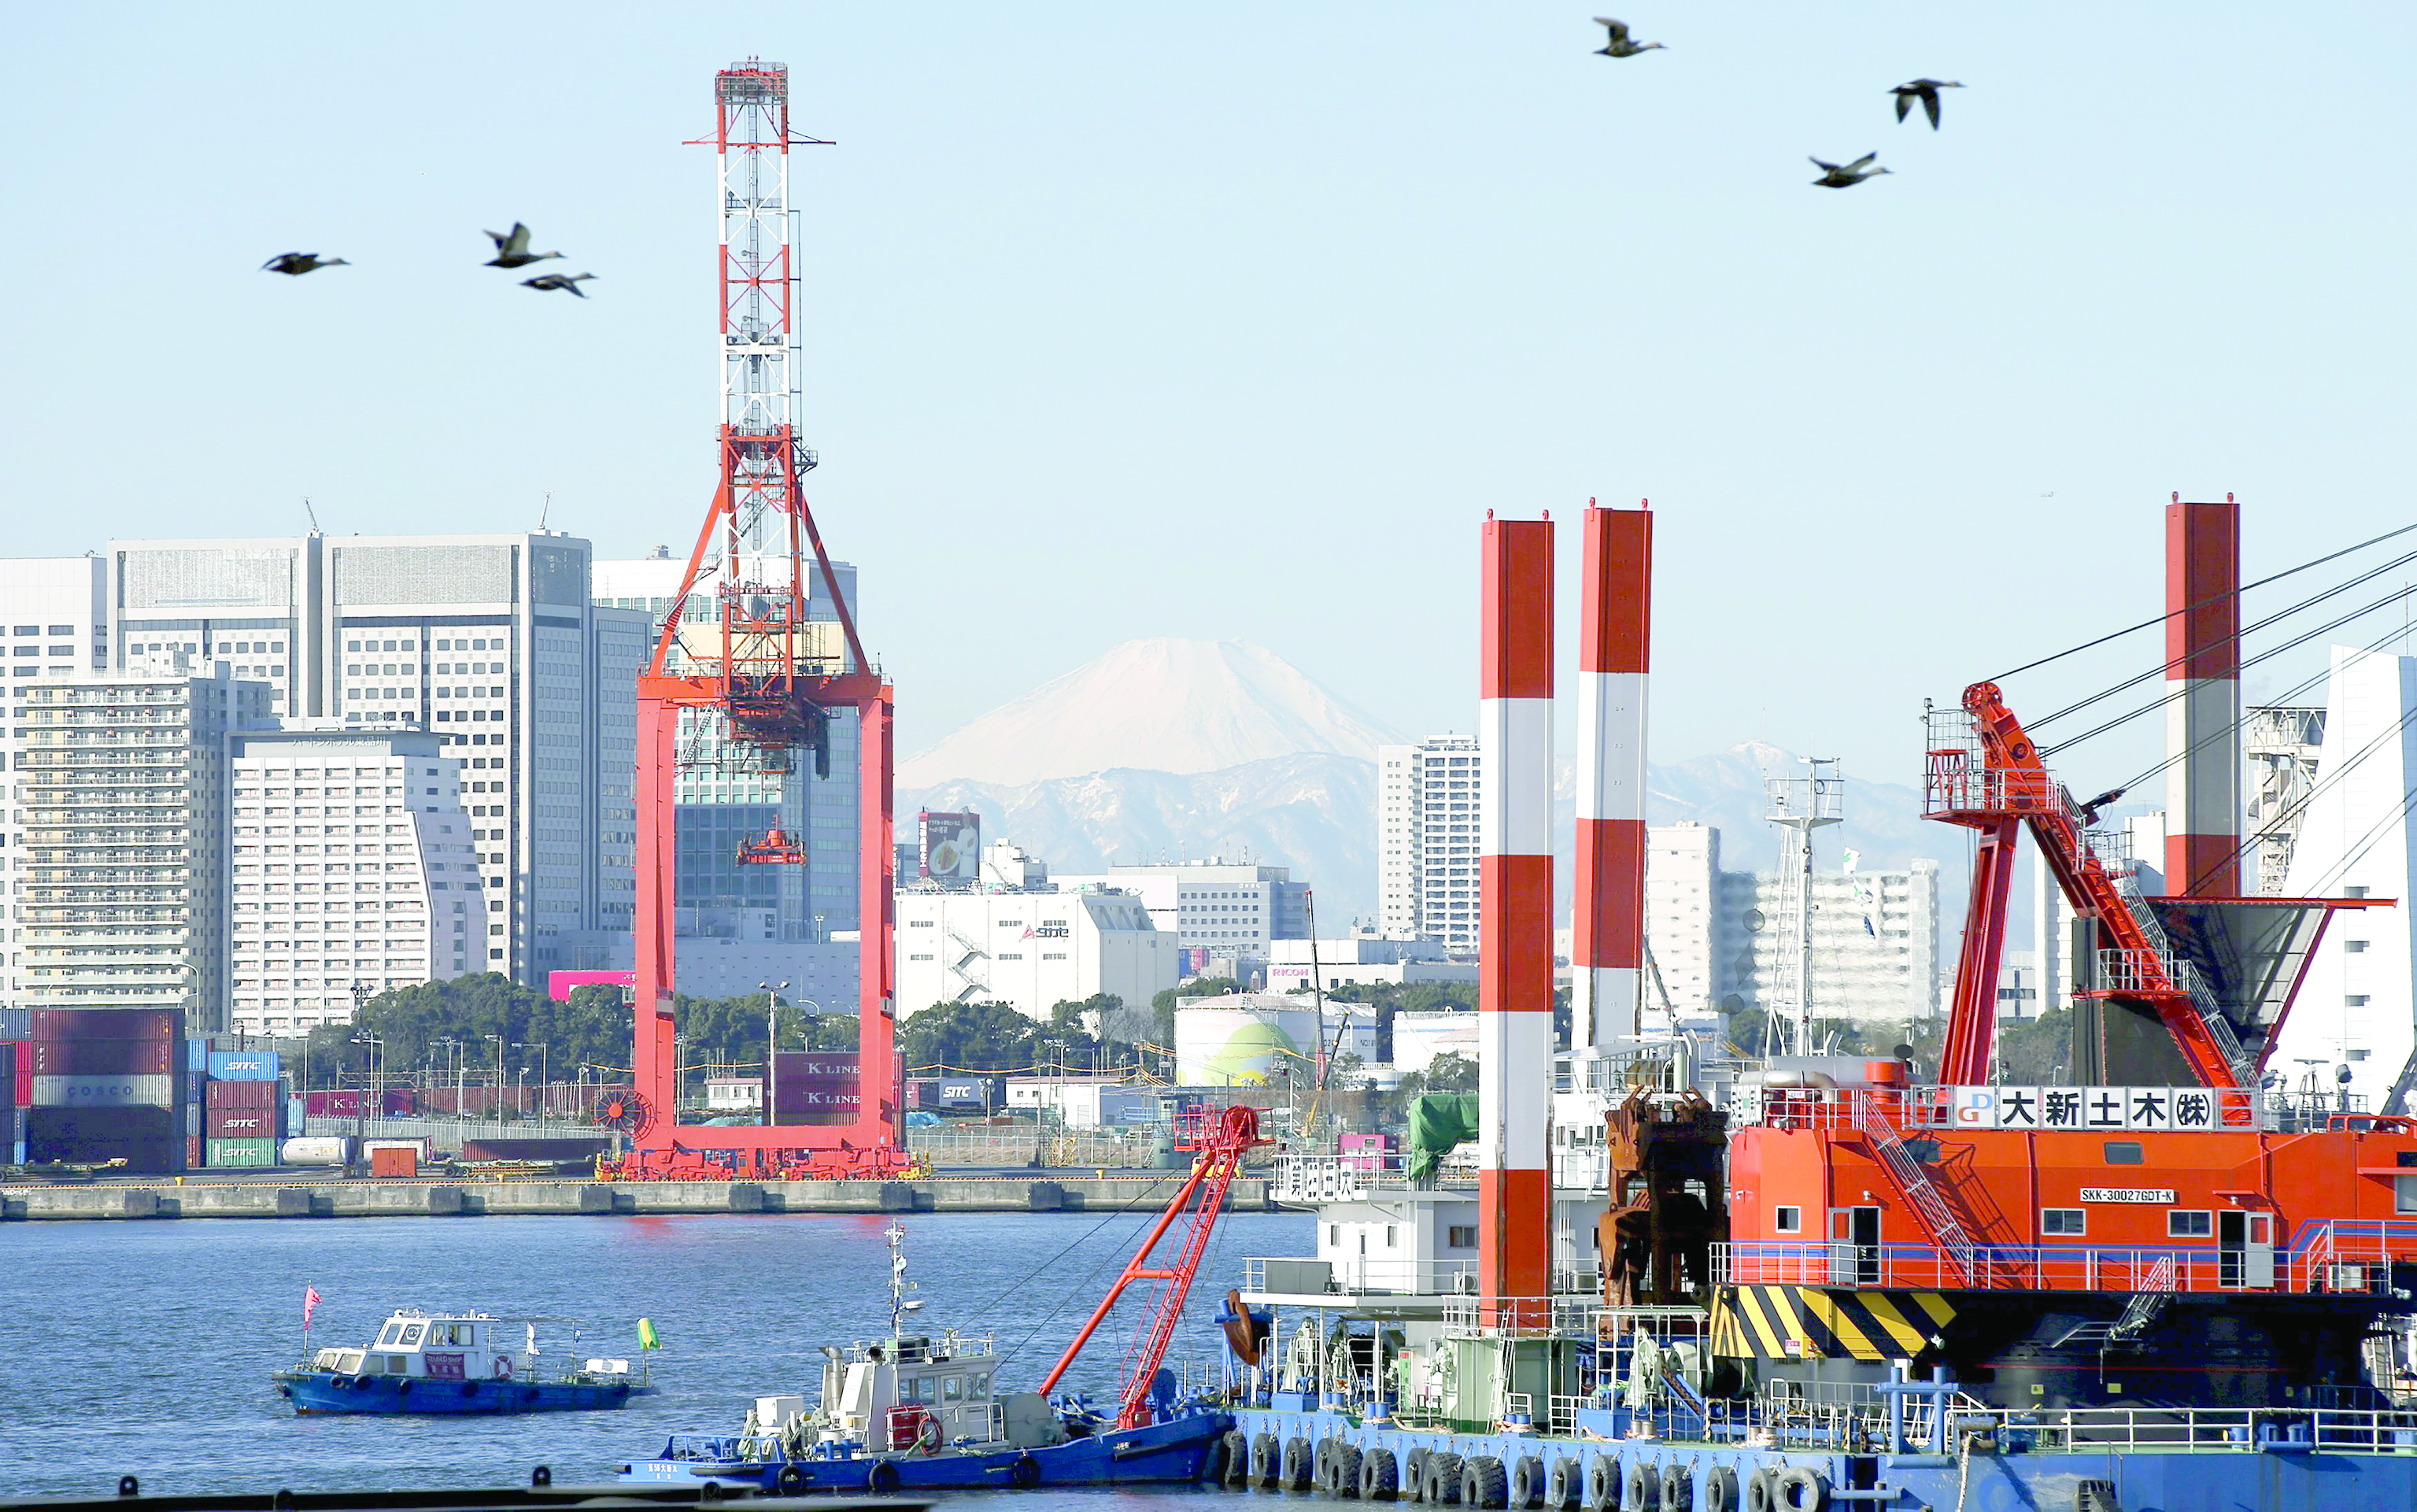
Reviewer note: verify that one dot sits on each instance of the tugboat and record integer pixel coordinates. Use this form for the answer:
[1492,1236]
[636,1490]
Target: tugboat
[452,1364]
[910,1412]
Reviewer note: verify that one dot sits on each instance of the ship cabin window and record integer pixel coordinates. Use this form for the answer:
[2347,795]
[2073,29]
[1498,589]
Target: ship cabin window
[923,1391]
[1334,1234]
[1787,1220]
[952,1389]
[1392,1236]
[2181,1223]
[2123,1153]
[2064,1223]
[978,1385]
[412,1335]
[390,1337]
[1460,1236]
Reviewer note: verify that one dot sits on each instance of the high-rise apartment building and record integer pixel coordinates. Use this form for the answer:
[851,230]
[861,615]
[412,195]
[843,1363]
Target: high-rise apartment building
[1875,941]
[1683,880]
[486,642]
[727,792]
[1427,841]
[351,871]
[118,784]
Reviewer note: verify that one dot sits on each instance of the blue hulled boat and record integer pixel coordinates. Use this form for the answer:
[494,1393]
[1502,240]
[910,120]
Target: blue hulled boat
[449,1364]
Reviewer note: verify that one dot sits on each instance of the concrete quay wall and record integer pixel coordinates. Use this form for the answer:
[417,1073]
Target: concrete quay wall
[414,1198]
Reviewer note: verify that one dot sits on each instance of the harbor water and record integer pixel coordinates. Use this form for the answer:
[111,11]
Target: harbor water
[145,1348]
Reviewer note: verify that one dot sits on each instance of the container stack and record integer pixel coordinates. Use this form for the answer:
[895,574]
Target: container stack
[12,1140]
[107,1084]
[245,1114]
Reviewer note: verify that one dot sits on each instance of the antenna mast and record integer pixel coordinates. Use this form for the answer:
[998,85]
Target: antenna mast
[1800,805]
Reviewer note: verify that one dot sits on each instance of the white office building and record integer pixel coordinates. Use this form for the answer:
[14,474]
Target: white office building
[118,787]
[1427,841]
[1033,950]
[1361,960]
[352,872]
[488,642]
[2356,1008]
[1224,907]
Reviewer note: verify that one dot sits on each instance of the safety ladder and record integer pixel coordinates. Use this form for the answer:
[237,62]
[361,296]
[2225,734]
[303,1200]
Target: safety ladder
[1914,1185]
[2145,1307]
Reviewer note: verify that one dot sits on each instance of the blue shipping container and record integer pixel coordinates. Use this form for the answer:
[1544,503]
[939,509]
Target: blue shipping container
[197,1055]
[294,1115]
[243,1065]
[16,1024]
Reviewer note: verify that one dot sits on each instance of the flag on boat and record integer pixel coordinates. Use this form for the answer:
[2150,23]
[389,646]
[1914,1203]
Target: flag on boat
[310,1304]
[532,1341]
[647,1337]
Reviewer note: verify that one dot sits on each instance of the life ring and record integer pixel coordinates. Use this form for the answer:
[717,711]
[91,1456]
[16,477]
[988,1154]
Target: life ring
[1720,1489]
[883,1478]
[791,1480]
[1797,1489]
[1024,1473]
[502,1369]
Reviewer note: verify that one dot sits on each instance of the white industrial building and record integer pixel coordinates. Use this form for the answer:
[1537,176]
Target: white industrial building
[1031,949]
[1427,841]
[118,787]
[1682,878]
[2356,1009]
[1360,960]
[490,642]
[352,872]
[1227,907]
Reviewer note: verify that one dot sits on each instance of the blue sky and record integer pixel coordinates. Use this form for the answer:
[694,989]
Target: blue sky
[1232,320]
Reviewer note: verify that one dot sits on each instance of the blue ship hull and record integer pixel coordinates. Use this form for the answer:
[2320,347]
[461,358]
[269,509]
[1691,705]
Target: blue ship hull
[2376,1471]
[1173,1451]
[323,1392]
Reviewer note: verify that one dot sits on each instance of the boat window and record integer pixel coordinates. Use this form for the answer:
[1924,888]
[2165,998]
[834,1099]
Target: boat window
[952,1389]
[2062,1221]
[1787,1220]
[392,1331]
[2181,1223]
[411,1335]
[1460,1236]
[981,1384]
[2122,1152]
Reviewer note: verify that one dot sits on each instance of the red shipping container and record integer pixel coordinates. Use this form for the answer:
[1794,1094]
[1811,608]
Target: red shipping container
[397,1102]
[245,1095]
[394,1161]
[326,1103]
[104,1058]
[240,1123]
[108,1024]
[193,1152]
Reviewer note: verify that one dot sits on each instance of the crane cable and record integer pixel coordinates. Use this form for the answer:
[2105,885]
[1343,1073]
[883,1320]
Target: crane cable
[2246,662]
[2236,637]
[2202,603]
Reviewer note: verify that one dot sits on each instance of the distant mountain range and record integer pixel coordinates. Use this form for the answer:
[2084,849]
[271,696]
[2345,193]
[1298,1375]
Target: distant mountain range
[1303,793]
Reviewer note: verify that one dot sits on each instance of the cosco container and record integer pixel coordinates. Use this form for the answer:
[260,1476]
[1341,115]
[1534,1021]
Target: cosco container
[243,1065]
[219,1153]
[105,1092]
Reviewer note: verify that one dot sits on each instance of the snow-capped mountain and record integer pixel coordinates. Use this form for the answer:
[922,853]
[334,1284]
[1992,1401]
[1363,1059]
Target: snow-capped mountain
[1161,705]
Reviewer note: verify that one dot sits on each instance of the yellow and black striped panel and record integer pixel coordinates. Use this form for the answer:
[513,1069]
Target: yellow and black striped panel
[1760,1323]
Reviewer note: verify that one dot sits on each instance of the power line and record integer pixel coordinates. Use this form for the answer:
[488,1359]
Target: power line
[2145,624]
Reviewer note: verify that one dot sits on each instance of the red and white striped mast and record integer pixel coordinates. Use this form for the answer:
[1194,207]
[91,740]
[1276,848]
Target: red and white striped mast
[2203,698]
[1607,922]
[1515,1002]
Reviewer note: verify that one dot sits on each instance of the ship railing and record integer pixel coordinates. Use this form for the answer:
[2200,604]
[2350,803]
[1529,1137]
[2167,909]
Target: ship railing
[1526,1317]
[1295,1276]
[2082,1428]
[2353,1263]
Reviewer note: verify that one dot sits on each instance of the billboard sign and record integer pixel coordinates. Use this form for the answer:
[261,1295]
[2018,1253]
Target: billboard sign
[952,847]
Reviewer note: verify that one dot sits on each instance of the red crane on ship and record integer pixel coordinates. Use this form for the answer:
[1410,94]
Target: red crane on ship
[743,677]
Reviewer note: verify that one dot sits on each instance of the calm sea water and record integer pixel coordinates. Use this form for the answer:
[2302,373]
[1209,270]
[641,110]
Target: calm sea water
[145,1348]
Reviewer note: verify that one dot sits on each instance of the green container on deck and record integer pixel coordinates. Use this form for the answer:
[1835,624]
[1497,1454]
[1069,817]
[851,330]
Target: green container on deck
[238,1153]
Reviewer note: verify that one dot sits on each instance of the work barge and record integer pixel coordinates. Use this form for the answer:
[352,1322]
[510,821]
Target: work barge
[1704,1281]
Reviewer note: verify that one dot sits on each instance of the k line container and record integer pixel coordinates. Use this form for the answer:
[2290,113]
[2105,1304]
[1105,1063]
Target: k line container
[223,1154]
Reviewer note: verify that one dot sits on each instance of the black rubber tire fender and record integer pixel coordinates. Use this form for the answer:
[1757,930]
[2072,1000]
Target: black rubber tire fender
[1678,1489]
[1297,1465]
[1565,1483]
[1380,1478]
[1721,1489]
[1798,1489]
[1527,1482]
[1762,1490]
[1234,1457]
[1483,1483]
[1414,1475]
[1266,1459]
[1342,1470]
[884,1479]
[791,1480]
[1441,1483]
[1603,1482]
[1644,1491]
[1024,1473]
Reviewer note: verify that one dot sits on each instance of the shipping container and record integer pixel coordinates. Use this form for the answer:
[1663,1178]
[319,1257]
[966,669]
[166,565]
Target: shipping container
[394,1161]
[44,1123]
[243,1065]
[197,1056]
[240,1123]
[9,1070]
[397,1102]
[332,1103]
[250,1095]
[217,1154]
[193,1152]
[192,1121]
[295,1109]
[21,1085]
[107,1024]
[15,1023]
[569,1147]
[104,1058]
[105,1092]
[322,1149]
[417,1147]
[815,1088]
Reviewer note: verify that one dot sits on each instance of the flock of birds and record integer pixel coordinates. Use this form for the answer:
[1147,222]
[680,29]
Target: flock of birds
[511,250]
[1623,44]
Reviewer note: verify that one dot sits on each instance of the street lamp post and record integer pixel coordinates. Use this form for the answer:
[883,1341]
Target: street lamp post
[771,1046]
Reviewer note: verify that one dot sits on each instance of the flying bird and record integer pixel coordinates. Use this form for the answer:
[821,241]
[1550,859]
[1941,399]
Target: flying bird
[297,264]
[1925,90]
[512,248]
[566,281]
[1620,46]
[1835,176]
